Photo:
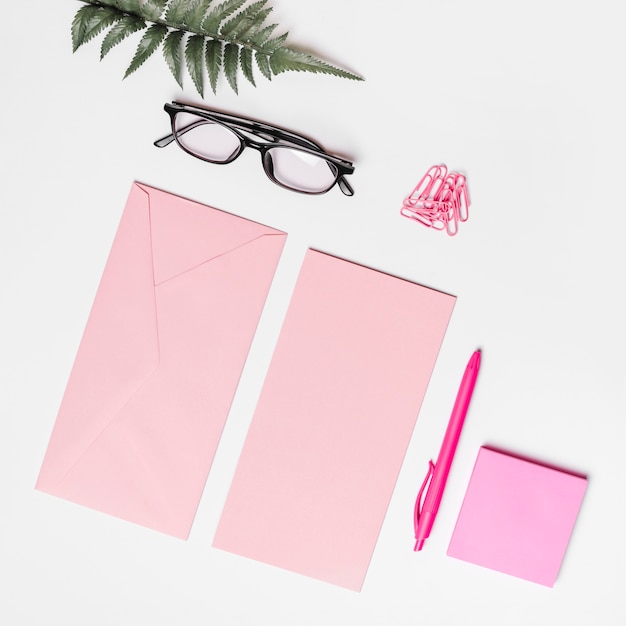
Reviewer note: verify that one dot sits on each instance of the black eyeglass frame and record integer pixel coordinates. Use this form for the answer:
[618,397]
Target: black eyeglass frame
[273,136]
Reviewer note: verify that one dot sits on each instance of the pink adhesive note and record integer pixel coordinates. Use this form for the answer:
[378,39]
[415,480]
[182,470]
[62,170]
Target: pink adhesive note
[160,359]
[333,421]
[517,516]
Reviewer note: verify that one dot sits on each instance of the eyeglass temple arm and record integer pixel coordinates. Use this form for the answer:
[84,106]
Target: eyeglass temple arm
[345,186]
[261,128]
[276,133]
[167,140]
[164,141]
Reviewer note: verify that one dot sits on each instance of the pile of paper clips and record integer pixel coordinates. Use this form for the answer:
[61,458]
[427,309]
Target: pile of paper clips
[440,200]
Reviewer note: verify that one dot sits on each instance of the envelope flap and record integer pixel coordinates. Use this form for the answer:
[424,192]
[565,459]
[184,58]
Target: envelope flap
[186,234]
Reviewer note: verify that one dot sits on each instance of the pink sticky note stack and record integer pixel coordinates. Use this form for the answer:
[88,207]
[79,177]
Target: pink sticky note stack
[517,516]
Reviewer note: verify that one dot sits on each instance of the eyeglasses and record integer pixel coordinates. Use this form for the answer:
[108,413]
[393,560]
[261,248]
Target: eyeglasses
[289,160]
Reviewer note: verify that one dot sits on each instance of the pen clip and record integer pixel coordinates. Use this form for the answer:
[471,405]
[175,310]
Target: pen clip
[417,512]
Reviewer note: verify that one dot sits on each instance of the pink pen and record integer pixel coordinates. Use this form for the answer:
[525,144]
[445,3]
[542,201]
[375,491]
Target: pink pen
[438,474]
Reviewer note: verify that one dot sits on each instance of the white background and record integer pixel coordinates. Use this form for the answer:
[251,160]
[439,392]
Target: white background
[527,99]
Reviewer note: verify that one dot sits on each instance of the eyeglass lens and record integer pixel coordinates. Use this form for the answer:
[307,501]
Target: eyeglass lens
[300,170]
[289,166]
[206,139]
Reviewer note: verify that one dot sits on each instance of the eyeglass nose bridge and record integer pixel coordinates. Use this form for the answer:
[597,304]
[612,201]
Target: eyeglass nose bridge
[246,141]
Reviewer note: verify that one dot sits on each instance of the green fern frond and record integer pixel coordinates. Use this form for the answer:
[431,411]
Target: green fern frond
[261,35]
[218,14]
[213,59]
[231,62]
[245,60]
[228,37]
[153,9]
[150,41]
[271,45]
[126,25]
[242,21]
[171,53]
[194,53]
[288,60]
[195,14]
[133,5]
[176,11]
[263,63]
[81,24]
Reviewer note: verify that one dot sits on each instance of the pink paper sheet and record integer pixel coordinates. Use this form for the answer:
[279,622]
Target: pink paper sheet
[160,359]
[334,420]
[517,516]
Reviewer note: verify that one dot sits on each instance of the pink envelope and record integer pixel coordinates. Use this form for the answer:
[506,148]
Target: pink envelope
[160,359]
[517,516]
[334,420]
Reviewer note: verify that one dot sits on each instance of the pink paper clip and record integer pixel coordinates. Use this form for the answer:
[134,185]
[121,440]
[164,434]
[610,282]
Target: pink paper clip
[421,204]
[453,185]
[424,189]
[463,199]
[440,200]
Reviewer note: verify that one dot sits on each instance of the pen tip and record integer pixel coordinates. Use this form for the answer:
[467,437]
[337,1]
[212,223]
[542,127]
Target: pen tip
[419,544]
